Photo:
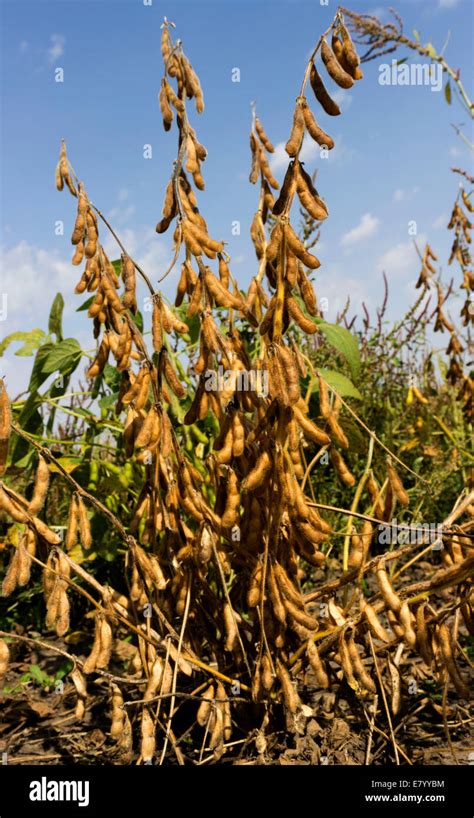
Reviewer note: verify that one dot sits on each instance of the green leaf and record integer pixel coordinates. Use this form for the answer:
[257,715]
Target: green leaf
[37,375]
[69,463]
[345,343]
[63,358]
[86,304]
[117,265]
[403,59]
[431,50]
[447,92]
[32,340]
[138,319]
[112,378]
[108,402]
[340,383]
[416,35]
[55,317]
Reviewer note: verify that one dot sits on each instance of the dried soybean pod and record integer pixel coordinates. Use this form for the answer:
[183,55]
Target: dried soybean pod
[166,110]
[255,586]
[444,639]
[317,665]
[422,635]
[204,709]
[266,170]
[24,562]
[288,189]
[359,667]
[337,433]
[263,137]
[392,600]
[12,508]
[290,695]
[142,394]
[267,675]
[314,130]
[329,105]
[397,486]
[238,435]
[297,132]
[77,259]
[324,405]
[349,51]
[224,272]
[230,627]
[4,658]
[231,511]
[406,620]
[307,291]
[357,552]
[308,196]
[346,661]
[105,644]
[333,67]
[101,358]
[286,586]
[72,524]
[62,614]
[128,276]
[148,432]
[259,473]
[193,85]
[396,686]
[310,429]
[216,741]
[255,168]
[5,425]
[58,176]
[173,379]
[84,524]
[296,313]
[300,615]
[148,741]
[40,488]
[156,327]
[341,468]
[118,713]
[274,243]
[375,626]
[373,490]
[290,373]
[10,580]
[296,245]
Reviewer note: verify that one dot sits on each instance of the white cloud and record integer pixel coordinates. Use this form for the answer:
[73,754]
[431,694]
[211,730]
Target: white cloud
[56,48]
[366,228]
[334,290]
[401,195]
[454,151]
[280,158]
[342,98]
[402,259]
[30,278]
[447,4]
[24,46]
[441,221]
[120,215]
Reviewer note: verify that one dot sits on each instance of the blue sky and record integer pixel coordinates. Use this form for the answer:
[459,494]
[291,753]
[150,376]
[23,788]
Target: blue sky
[391,163]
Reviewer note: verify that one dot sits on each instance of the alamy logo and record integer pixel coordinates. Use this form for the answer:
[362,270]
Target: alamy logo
[45,790]
[399,534]
[397,73]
